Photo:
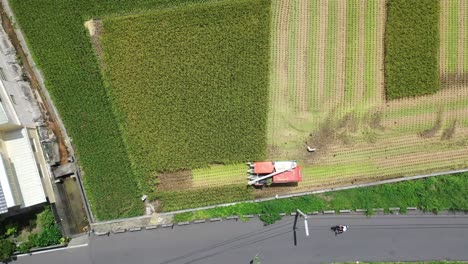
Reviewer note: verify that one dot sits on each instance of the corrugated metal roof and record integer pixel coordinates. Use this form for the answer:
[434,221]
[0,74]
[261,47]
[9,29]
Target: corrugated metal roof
[3,115]
[5,184]
[3,205]
[22,157]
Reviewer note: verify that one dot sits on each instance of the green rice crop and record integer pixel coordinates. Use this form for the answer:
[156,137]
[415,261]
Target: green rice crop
[61,48]
[412,48]
[190,84]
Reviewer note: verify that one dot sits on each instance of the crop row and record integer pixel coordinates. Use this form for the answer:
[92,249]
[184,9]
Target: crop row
[412,48]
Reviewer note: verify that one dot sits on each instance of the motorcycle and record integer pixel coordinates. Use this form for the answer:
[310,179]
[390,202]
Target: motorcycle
[339,229]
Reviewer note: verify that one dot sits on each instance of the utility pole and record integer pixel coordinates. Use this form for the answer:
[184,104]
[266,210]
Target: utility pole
[300,213]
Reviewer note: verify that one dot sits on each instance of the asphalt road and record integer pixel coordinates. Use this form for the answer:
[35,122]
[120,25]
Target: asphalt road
[380,238]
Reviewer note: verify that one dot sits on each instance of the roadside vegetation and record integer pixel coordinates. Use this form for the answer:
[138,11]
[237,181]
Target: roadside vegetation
[190,85]
[429,194]
[26,231]
[412,48]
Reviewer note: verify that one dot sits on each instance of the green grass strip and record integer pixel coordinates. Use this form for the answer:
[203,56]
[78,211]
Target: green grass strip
[430,194]
[452,47]
[370,46]
[330,74]
[351,48]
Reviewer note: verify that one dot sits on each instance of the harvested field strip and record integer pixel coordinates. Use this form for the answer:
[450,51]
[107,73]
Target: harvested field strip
[381,17]
[322,54]
[292,52]
[465,39]
[351,48]
[452,36]
[426,118]
[461,35]
[302,94]
[340,59]
[183,199]
[274,72]
[218,175]
[428,108]
[444,6]
[330,67]
[312,55]
[360,52]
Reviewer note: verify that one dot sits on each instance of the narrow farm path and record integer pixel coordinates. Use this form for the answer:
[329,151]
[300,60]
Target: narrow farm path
[302,56]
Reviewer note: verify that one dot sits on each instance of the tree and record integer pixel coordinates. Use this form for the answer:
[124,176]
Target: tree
[7,248]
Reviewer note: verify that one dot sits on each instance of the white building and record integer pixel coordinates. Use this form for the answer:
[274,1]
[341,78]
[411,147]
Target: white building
[24,174]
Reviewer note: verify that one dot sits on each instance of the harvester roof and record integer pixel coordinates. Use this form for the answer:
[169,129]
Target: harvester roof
[293,175]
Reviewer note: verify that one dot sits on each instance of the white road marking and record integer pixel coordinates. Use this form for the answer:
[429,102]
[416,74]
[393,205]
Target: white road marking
[51,250]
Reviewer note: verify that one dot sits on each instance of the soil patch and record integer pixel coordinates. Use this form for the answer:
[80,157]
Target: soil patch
[435,128]
[449,131]
[179,180]
[96,29]
[453,80]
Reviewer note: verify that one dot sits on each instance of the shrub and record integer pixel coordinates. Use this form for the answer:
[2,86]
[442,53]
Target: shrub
[412,48]
[7,248]
[25,247]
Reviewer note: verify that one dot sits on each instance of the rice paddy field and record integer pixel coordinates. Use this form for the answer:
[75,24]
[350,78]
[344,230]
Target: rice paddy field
[174,96]
[327,90]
